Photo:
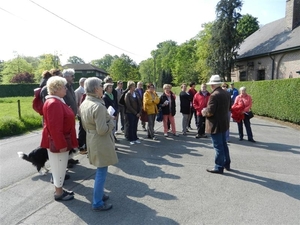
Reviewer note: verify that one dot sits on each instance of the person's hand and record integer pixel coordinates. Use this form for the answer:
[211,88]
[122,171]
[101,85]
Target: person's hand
[63,150]
[138,115]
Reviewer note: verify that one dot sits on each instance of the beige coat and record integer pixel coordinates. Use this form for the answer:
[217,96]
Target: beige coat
[99,139]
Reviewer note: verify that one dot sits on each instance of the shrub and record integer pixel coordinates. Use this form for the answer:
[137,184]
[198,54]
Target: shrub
[22,78]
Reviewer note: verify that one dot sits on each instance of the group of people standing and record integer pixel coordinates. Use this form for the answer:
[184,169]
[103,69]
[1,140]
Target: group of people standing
[99,106]
[192,102]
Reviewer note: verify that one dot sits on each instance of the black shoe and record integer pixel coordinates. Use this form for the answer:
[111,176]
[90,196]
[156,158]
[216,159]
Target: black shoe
[105,207]
[241,139]
[105,197]
[63,197]
[198,136]
[214,171]
[227,168]
[252,140]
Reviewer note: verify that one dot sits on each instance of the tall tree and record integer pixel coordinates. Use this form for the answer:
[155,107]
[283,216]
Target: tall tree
[105,62]
[164,57]
[146,69]
[184,68]
[15,66]
[75,60]
[1,69]
[47,62]
[203,52]
[225,38]
[247,25]
[124,68]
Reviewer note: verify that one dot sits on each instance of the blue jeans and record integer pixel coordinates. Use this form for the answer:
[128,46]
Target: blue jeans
[100,177]
[247,126]
[222,158]
[132,129]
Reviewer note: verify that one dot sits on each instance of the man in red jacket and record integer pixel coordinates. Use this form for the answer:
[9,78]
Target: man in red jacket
[200,102]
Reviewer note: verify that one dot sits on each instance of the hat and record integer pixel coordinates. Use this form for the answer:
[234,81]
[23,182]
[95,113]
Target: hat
[107,84]
[214,79]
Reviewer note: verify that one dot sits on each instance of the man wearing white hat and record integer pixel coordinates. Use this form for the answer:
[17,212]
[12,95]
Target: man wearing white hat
[217,123]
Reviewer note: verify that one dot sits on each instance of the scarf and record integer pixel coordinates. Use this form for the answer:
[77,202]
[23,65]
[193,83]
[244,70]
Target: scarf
[110,95]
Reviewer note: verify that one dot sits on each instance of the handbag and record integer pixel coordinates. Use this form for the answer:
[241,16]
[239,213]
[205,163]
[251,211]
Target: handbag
[250,114]
[144,116]
[52,147]
[159,117]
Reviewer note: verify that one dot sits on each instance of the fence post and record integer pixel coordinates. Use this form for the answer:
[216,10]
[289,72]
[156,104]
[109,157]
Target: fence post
[19,109]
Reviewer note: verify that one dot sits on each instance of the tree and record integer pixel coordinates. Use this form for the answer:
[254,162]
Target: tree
[146,69]
[164,57]
[105,62]
[1,69]
[15,66]
[225,38]
[47,62]
[203,51]
[124,68]
[184,68]
[75,60]
[23,78]
[247,25]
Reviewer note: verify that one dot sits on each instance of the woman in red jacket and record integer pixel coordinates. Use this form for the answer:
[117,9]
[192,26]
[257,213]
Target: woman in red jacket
[245,102]
[59,134]
[199,103]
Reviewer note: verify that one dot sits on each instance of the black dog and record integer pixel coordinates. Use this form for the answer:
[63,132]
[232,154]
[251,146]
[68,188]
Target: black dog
[39,156]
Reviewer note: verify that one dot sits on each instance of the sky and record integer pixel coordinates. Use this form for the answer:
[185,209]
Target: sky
[132,27]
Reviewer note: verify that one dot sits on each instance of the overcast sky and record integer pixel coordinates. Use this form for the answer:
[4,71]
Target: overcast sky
[132,27]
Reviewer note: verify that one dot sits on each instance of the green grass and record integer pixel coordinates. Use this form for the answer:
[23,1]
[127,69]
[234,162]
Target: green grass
[10,123]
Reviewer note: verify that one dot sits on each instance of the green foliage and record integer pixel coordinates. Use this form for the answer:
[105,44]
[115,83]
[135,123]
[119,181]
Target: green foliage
[164,60]
[105,62]
[146,70]
[124,68]
[247,25]
[75,60]
[278,99]
[47,62]
[203,51]
[225,39]
[185,63]
[15,66]
[11,90]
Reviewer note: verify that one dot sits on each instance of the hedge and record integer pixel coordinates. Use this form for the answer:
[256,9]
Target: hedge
[278,99]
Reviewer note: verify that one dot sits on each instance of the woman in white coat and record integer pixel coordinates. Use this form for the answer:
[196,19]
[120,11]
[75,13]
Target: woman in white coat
[98,125]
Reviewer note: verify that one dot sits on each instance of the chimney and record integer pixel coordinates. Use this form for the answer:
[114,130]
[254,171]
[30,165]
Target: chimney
[292,14]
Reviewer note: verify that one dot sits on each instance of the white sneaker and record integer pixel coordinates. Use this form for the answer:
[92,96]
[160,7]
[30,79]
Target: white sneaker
[132,143]
[138,142]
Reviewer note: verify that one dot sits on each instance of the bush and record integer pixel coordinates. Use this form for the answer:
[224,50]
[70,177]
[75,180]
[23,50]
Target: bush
[22,78]
[10,126]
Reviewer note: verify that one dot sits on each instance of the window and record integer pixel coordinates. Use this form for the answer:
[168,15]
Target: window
[243,76]
[261,75]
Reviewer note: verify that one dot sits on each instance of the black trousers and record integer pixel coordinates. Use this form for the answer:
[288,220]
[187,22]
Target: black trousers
[81,134]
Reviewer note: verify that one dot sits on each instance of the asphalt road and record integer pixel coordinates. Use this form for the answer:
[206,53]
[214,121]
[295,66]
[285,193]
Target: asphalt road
[164,182]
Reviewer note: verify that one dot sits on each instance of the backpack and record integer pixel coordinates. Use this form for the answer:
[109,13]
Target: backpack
[37,103]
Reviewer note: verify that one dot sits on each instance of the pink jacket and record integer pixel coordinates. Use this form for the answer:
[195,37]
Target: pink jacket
[245,100]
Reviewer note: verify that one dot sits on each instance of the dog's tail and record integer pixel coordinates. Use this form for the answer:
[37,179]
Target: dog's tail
[22,155]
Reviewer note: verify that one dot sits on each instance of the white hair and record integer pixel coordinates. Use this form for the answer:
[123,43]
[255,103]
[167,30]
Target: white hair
[91,84]
[55,83]
[68,72]
[242,88]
